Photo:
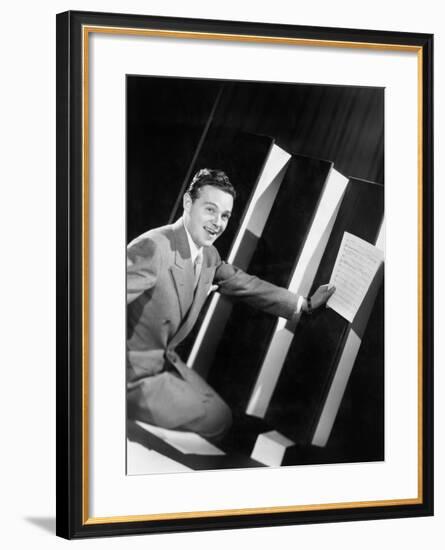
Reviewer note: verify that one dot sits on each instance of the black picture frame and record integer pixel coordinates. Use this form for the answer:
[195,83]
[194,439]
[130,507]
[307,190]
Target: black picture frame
[73,520]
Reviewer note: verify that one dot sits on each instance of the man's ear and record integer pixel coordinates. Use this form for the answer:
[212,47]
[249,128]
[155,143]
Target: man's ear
[187,202]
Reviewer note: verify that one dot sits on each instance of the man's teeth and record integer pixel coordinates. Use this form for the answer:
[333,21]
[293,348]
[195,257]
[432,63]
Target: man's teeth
[210,231]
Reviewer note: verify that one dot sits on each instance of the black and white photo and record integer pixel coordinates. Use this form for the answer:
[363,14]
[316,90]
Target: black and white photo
[242,364]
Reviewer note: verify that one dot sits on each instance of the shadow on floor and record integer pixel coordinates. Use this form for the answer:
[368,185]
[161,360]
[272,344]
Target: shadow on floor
[47,524]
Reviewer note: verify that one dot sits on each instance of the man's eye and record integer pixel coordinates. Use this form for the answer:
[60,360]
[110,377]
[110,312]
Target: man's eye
[210,209]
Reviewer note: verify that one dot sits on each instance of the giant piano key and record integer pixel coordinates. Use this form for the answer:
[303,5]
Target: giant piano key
[324,341]
[301,281]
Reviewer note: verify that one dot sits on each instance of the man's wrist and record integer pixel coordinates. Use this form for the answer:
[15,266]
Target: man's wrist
[302,306]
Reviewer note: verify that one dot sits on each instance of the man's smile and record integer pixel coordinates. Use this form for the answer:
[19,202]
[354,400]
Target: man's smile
[211,232]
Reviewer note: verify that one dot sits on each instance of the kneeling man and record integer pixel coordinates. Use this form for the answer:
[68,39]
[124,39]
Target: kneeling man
[170,271]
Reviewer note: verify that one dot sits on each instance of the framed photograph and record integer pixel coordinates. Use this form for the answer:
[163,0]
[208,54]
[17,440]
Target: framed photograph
[244,274]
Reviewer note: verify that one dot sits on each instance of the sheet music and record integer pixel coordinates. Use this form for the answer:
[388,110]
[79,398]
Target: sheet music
[355,267]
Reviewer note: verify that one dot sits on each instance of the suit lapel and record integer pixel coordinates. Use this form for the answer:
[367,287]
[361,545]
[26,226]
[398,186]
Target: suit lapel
[205,280]
[201,290]
[182,270]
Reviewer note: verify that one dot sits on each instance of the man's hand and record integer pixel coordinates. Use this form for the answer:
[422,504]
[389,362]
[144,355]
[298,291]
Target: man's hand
[320,297]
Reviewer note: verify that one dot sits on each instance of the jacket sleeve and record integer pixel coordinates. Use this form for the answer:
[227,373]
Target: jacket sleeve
[236,283]
[143,266]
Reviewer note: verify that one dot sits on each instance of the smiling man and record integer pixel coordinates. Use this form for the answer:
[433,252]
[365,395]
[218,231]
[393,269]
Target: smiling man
[170,271]
[207,210]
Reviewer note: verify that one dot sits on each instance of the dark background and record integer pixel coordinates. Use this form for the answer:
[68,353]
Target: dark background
[170,123]
[169,117]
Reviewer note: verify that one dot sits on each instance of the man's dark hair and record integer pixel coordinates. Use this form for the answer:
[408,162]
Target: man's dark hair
[206,176]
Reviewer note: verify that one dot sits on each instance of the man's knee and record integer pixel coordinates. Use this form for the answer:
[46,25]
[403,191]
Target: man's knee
[222,421]
[216,421]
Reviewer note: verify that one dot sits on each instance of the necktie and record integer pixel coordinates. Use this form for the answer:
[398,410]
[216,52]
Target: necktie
[197,268]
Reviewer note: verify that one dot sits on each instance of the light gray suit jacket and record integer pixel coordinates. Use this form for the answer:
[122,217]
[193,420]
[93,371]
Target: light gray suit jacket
[162,309]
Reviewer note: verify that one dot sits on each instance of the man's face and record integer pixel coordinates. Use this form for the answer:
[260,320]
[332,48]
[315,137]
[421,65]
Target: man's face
[206,218]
